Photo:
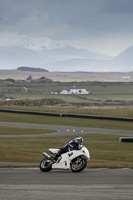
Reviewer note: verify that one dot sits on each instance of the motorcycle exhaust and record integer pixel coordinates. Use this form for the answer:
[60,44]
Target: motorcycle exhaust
[46,155]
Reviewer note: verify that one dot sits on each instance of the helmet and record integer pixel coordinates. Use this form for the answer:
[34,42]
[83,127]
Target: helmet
[78,140]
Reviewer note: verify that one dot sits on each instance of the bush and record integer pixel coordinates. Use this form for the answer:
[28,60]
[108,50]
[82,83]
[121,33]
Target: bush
[33,102]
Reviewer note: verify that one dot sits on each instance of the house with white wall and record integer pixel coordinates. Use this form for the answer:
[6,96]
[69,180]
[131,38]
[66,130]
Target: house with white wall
[75,91]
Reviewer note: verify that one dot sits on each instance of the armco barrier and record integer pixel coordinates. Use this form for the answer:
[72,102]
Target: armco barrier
[67,115]
[99,117]
[29,112]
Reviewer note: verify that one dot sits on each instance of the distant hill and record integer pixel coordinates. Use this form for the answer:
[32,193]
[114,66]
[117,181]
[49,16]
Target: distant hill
[66,58]
[126,55]
[125,59]
[63,59]
[32,69]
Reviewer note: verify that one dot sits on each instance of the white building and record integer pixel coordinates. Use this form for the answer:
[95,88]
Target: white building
[75,91]
[64,92]
[126,77]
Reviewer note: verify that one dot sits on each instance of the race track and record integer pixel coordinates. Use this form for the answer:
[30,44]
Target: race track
[98,184]
[91,184]
[62,130]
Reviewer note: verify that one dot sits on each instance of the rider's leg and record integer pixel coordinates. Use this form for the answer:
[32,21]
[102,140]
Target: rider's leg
[61,151]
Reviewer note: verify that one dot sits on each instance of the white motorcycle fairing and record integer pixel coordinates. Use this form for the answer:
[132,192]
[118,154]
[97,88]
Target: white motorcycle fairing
[65,159]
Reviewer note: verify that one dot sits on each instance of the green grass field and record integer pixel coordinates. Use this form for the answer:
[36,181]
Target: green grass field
[105,150]
[67,77]
[109,153]
[66,121]
[115,112]
[23,131]
[102,93]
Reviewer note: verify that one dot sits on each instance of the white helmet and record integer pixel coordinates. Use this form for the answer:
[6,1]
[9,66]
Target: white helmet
[78,140]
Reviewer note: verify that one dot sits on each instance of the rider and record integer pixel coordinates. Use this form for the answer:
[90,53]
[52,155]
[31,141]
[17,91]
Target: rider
[71,145]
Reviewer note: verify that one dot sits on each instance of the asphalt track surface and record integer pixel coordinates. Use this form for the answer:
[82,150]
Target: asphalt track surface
[90,184]
[62,130]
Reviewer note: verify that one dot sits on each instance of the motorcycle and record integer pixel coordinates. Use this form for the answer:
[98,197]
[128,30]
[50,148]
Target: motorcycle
[76,160]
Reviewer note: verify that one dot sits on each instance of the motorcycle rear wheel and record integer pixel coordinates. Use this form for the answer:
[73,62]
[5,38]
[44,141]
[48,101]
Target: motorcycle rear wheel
[45,165]
[78,164]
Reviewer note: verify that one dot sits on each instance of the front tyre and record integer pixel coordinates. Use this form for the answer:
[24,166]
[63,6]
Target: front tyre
[78,164]
[46,165]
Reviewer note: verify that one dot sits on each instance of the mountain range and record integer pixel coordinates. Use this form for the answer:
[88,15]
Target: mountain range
[65,58]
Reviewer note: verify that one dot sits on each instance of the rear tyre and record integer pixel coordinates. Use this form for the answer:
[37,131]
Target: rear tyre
[78,164]
[46,165]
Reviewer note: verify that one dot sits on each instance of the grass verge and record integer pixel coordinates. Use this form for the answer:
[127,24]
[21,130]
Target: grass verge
[105,150]
[102,111]
[23,131]
[66,121]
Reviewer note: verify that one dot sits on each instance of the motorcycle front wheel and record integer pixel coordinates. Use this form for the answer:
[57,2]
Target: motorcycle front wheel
[78,164]
[46,165]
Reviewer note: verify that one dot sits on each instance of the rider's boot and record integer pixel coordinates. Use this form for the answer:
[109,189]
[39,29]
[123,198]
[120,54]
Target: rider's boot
[56,156]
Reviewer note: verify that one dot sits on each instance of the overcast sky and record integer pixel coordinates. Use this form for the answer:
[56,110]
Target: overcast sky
[103,26]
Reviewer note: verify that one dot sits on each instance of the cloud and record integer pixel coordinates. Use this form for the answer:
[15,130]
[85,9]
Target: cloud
[61,18]
[90,24]
[31,43]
